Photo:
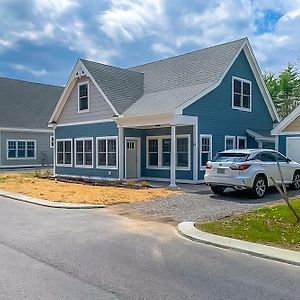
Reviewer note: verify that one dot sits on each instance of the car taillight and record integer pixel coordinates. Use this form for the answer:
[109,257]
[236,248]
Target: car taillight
[240,167]
[208,166]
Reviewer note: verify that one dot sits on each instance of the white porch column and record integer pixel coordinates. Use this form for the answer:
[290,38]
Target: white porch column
[121,152]
[195,152]
[173,157]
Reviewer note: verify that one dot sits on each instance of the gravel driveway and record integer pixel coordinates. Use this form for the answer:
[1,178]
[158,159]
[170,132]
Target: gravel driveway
[199,205]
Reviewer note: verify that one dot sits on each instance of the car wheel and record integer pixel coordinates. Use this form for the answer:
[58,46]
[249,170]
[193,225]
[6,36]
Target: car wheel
[218,190]
[296,181]
[259,187]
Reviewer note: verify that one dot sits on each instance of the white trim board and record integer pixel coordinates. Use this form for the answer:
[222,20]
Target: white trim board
[85,123]
[24,166]
[33,130]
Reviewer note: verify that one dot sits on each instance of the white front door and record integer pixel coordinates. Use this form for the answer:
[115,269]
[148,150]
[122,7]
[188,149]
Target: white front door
[131,159]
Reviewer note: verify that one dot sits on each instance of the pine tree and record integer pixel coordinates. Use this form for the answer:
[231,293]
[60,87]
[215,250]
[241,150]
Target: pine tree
[284,90]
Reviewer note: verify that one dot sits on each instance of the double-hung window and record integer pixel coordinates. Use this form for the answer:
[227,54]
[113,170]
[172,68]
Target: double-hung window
[166,152]
[241,142]
[21,149]
[229,142]
[84,152]
[159,152]
[205,149]
[153,152]
[107,152]
[241,94]
[83,97]
[64,152]
[182,152]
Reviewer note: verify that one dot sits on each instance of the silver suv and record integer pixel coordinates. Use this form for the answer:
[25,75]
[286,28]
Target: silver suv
[250,169]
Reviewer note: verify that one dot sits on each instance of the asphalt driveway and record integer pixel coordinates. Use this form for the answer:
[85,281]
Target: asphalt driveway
[91,254]
[198,204]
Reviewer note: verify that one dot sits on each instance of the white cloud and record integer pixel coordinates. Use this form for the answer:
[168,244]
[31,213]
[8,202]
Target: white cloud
[54,8]
[24,68]
[34,34]
[76,36]
[128,20]
[163,49]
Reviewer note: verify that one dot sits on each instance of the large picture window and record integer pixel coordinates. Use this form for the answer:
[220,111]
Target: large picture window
[107,152]
[205,149]
[241,94]
[21,149]
[64,153]
[159,152]
[84,152]
[83,97]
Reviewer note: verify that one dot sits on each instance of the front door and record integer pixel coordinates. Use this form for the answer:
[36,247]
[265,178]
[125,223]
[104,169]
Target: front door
[131,162]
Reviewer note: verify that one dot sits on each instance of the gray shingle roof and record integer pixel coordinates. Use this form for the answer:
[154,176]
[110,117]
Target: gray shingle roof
[171,82]
[163,85]
[26,104]
[121,86]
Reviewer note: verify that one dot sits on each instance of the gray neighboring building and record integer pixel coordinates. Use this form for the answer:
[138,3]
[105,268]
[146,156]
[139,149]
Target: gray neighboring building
[25,108]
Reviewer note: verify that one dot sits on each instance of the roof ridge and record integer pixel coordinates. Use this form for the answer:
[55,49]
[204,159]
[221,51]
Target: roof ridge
[183,54]
[32,82]
[111,66]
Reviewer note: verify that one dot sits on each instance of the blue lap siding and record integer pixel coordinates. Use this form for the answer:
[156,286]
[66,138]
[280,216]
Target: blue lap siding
[88,130]
[216,116]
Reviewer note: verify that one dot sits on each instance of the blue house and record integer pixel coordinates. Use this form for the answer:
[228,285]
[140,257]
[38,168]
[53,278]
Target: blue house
[162,120]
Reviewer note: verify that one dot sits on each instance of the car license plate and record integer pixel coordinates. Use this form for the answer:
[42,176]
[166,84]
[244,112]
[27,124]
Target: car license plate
[220,171]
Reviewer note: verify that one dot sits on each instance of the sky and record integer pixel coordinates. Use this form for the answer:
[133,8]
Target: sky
[41,40]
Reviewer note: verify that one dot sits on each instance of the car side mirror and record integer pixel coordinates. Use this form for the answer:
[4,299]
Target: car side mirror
[288,160]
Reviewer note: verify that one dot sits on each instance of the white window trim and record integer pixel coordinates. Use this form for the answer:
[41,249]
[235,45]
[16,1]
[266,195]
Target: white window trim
[51,141]
[64,165]
[75,150]
[231,137]
[202,168]
[232,92]
[78,97]
[160,138]
[117,153]
[239,138]
[20,158]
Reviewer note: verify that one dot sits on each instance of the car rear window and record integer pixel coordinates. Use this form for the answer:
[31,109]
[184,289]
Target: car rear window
[230,157]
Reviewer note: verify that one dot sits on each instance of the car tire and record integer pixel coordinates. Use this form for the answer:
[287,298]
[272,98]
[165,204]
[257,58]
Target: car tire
[296,181]
[259,188]
[217,189]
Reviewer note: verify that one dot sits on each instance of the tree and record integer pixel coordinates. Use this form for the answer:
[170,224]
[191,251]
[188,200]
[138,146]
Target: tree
[284,90]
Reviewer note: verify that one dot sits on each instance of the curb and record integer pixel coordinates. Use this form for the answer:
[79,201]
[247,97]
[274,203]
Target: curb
[188,230]
[46,203]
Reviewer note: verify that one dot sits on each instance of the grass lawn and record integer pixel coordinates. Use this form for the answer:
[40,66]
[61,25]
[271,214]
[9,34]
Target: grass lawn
[29,184]
[275,226]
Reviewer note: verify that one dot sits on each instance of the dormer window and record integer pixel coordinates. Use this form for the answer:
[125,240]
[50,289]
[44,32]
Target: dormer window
[241,94]
[83,97]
